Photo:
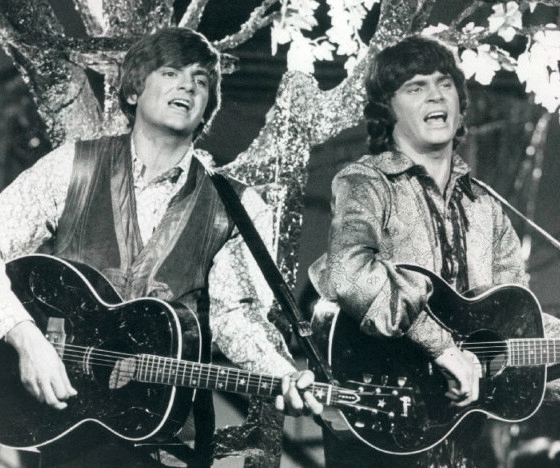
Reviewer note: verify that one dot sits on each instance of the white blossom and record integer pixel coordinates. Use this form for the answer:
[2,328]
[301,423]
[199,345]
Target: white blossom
[300,56]
[505,22]
[482,64]
[432,30]
[537,67]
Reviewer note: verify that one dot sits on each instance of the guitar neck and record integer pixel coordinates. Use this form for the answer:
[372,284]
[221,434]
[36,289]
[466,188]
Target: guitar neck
[169,371]
[533,351]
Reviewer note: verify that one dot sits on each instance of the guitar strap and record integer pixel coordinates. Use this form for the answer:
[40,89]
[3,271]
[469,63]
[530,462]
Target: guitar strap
[274,278]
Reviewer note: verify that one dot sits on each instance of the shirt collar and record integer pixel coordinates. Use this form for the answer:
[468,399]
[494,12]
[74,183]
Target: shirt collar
[172,174]
[395,162]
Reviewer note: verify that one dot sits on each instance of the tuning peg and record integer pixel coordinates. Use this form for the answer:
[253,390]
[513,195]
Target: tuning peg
[367,378]
[401,381]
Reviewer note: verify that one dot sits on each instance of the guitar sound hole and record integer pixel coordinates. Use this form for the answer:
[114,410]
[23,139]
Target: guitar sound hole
[491,351]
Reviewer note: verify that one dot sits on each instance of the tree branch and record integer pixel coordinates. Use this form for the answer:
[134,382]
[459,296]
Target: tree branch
[193,14]
[420,18]
[257,20]
[29,16]
[468,11]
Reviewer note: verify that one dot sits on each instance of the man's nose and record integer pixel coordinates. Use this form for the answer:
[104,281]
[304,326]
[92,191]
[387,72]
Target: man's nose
[434,93]
[186,82]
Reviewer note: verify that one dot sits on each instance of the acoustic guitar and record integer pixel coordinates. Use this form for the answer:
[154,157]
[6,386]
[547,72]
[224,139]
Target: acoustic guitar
[134,364]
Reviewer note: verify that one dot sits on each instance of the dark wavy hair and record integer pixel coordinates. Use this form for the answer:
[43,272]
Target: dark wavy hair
[174,47]
[390,69]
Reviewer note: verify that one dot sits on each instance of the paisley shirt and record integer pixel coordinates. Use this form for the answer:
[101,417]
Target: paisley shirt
[239,295]
[388,211]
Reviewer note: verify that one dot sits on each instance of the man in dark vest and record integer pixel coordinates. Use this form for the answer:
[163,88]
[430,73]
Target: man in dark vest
[141,209]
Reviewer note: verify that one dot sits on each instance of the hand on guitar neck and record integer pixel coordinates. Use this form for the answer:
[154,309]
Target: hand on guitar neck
[293,387]
[462,371]
[42,372]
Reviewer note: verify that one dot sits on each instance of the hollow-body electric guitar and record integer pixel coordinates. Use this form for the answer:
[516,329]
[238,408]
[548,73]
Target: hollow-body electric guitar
[134,364]
[502,325]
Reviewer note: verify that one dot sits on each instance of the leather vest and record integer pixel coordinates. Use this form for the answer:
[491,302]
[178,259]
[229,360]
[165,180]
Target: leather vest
[99,227]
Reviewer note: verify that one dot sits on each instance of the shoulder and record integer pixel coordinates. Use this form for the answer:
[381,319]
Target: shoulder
[482,193]
[60,158]
[489,202]
[363,174]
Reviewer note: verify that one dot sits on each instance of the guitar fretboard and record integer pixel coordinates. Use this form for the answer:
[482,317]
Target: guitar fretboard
[170,371]
[530,352]
[157,369]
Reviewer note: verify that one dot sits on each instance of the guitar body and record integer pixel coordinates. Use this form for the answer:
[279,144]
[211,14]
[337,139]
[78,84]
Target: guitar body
[89,312]
[506,393]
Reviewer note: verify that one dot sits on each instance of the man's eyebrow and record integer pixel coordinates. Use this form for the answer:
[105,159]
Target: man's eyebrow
[415,82]
[444,77]
[423,81]
[201,71]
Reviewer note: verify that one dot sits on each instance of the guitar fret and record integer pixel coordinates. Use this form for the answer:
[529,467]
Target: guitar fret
[218,384]
[194,380]
[227,379]
[151,372]
[237,381]
[207,377]
[183,366]
[248,381]
[167,373]
[259,384]
[200,374]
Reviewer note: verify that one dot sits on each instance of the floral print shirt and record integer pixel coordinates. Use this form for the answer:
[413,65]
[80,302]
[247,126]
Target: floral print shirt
[239,295]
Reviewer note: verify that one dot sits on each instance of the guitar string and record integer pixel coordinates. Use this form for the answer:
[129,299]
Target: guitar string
[167,365]
[212,372]
[254,383]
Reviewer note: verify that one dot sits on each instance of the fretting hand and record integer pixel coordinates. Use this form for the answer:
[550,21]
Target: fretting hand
[291,401]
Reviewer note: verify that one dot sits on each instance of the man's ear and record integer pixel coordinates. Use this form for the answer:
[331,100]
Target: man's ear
[132,99]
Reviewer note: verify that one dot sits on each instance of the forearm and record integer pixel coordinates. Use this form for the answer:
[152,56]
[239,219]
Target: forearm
[12,311]
[250,342]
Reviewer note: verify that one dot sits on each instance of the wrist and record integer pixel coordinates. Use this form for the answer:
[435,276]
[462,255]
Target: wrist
[19,334]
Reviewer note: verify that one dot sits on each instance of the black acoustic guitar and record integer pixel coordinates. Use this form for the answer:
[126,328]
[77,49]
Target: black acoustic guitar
[502,325]
[134,364]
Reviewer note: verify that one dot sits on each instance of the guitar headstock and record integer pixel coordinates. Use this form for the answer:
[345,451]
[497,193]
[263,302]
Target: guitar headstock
[393,399]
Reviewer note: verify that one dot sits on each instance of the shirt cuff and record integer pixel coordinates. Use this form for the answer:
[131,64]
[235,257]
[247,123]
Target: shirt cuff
[12,313]
[430,335]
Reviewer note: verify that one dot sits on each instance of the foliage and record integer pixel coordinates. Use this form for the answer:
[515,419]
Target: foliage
[487,37]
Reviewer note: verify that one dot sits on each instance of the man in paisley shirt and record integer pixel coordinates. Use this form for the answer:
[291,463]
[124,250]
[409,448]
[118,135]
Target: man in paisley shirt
[413,201]
[141,208]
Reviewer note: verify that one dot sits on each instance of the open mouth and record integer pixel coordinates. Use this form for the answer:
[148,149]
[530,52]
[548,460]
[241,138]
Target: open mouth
[436,117]
[180,104]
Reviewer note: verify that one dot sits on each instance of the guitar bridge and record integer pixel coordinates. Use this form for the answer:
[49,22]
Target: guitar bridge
[56,334]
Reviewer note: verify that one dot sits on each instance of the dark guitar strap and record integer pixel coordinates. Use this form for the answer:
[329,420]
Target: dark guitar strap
[274,278]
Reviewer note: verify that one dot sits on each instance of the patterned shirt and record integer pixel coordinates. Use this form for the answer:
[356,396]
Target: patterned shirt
[239,295]
[388,210]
